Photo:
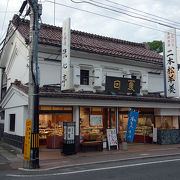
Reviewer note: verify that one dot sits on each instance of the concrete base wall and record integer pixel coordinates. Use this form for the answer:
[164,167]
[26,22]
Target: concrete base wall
[1,131]
[17,141]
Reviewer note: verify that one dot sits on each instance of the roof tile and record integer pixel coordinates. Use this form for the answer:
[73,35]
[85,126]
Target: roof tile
[82,41]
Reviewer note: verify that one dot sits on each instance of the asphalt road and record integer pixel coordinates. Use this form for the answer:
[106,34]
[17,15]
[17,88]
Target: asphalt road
[164,168]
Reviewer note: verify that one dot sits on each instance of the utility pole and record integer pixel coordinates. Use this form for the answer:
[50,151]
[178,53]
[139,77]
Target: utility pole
[33,101]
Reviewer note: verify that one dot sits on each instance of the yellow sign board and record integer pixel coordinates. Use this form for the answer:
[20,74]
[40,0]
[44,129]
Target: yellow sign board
[27,141]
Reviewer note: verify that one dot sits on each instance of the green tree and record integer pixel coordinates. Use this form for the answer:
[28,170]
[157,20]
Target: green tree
[156,46]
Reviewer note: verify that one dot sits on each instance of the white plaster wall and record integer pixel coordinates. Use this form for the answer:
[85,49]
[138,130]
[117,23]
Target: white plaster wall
[118,70]
[15,99]
[156,83]
[178,55]
[17,66]
[19,120]
[50,72]
[7,51]
[1,121]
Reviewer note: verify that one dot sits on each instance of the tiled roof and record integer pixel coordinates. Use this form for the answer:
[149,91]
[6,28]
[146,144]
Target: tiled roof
[51,35]
[52,92]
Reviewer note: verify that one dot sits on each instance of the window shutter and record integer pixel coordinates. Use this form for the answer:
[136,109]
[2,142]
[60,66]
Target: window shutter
[97,77]
[76,75]
[144,82]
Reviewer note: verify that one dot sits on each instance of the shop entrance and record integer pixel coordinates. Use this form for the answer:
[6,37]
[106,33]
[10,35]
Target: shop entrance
[94,121]
[144,128]
[51,120]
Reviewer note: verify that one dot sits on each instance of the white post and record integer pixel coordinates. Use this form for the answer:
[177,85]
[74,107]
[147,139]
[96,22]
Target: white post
[76,119]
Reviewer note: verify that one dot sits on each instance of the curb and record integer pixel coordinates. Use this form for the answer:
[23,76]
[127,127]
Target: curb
[96,162]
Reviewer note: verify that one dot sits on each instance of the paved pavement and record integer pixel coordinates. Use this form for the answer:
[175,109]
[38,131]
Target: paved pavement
[52,159]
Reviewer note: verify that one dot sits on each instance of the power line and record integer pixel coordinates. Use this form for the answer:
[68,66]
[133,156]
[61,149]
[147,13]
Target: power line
[4,16]
[141,11]
[18,21]
[8,12]
[107,8]
[2,37]
[157,19]
[5,42]
[109,17]
[12,33]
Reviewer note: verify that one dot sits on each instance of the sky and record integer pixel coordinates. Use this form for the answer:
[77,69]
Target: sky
[111,22]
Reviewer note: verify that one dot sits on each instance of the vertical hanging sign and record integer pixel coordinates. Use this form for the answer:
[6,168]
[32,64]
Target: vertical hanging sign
[131,127]
[171,64]
[66,42]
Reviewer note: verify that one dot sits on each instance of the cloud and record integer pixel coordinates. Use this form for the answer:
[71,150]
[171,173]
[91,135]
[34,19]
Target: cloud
[91,23]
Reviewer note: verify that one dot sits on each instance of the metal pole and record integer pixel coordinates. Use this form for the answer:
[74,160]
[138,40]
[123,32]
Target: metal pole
[33,108]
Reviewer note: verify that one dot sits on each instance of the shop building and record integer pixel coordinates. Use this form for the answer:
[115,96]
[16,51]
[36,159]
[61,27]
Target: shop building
[108,77]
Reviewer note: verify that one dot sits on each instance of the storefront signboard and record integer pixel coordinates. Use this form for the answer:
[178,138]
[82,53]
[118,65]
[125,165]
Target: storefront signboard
[66,69]
[27,141]
[96,120]
[69,138]
[122,85]
[154,134]
[131,127]
[69,132]
[112,138]
[170,61]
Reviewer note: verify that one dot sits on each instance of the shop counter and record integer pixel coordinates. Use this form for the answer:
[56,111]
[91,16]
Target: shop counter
[142,139]
[95,144]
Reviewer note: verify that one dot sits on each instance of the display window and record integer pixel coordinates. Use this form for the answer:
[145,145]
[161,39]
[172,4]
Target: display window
[94,121]
[51,120]
[144,128]
[167,122]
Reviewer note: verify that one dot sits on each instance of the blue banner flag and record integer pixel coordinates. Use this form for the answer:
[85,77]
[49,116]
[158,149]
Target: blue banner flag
[131,127]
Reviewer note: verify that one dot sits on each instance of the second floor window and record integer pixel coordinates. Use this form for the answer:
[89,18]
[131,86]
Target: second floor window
[84,77]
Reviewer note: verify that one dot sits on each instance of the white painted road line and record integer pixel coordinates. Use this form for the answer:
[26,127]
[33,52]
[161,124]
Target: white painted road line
[91,170]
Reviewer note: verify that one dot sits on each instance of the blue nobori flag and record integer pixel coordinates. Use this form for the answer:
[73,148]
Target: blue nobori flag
[131,127]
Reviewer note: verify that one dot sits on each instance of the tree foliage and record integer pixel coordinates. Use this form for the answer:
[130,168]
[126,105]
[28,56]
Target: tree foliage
[156,46]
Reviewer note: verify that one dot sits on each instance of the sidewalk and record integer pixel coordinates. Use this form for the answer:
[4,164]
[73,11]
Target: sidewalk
[52,159]
[48,161]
